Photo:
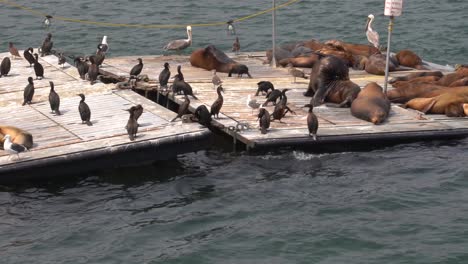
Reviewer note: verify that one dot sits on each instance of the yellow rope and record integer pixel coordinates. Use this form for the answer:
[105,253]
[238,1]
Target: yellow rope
[106,24]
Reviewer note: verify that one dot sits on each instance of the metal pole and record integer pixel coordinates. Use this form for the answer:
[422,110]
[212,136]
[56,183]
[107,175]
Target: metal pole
[273,35]
[390,29]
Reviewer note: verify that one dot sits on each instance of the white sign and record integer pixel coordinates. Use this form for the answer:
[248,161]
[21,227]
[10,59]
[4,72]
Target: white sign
[393,7]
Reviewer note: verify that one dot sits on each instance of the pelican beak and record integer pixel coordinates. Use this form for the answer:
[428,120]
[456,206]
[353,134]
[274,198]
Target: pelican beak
[367,23]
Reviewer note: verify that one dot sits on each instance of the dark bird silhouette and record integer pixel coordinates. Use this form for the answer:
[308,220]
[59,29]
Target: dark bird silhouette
[218,103]
[203,115]
[61,60]
[295,72]
[54,99]
[252,103]
[180,86]
[236,45]
[164,75]
[47,45]
[132,124]
[85,112]
[179,72]
[81,66]
[264,86]
[38,69]
[28,91]
[312,122]
[136,70]
[272,97]
[5,67]
[264,118]
[28,55]
[100,55]
[104,47]
[216,80]
[138,111]
[182,108]
[93,70]
[281,109]
[12,148]
[13,50]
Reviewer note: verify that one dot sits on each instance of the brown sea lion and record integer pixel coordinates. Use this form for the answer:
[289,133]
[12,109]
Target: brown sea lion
[455,110]
[461,82]
[441,104]
[416,75]
[303,62]
[211,58]
[371,104]
[409,59]
[313,44]
[376,65]
[404,94]
[450,78]
[338,51]
[355,49]
[18,136]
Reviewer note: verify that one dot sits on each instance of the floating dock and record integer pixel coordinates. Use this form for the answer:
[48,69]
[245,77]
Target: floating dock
[63,145]
[336,125]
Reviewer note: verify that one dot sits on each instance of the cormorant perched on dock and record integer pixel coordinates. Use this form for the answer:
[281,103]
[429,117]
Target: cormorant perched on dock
[182,108]
[93,70]
[179,86]
[312,122]
[13,50]
[164,75]
[104,47]
[28,91]
[136,70]
[218,103]
[180,44]
[132,124]
[264,86]
[61,60]
[38,69]
[54,99]
[81,66]
[138,111]
[216,80]
[236,45]
[47,45]
[28,56]
[252,103]
[85,112]
[281,109]
[203,115]
[295,72]
[272,97]
[5,67]
[264,118]
[100,56]
[12,148]
[179,71]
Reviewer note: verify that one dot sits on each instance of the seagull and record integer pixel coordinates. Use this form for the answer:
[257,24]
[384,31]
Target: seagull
[295,72]
[180,44]
[61,60]
[252,103]
[47,20]
[372,35]
[216,80]
[230,28]
[12,148]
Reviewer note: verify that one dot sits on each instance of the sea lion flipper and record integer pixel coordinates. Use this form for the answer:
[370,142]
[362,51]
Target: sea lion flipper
[428,107]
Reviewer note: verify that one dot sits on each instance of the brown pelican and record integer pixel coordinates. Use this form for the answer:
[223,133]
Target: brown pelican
[180,44]
[372,35]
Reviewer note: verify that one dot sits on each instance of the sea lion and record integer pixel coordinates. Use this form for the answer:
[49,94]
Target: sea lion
[460,82]
[404,94]
[376,64]
[18,136]
[211,58]
[442,104]
[329,81]
[409,59]
[303,62]
[371,104]
[337,51]
[355,49]
[415,75]
[450,78]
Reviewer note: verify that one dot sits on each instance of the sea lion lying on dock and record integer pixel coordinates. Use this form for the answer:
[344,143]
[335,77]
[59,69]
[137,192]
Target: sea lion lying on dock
[211,58]
[18,136]
[371,104]
[409,59]
[355,49]
[329,82]
[446,103]
[414,75]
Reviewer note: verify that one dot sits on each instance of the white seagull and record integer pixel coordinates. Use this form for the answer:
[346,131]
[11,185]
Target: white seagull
[252,103]
[372,35]
[180,44]
[12,148]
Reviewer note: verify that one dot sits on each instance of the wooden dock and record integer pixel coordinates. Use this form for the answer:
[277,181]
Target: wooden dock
[63,145]
[337,125]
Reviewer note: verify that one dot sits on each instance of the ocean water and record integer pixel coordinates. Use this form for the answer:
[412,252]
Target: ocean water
[406,203]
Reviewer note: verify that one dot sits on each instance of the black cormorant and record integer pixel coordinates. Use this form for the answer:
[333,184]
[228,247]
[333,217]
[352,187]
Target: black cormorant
[54,99]
[218,103]
[85,112]
[28,91]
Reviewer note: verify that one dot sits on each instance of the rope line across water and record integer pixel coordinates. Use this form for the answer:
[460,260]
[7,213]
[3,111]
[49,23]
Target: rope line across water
[107,24]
